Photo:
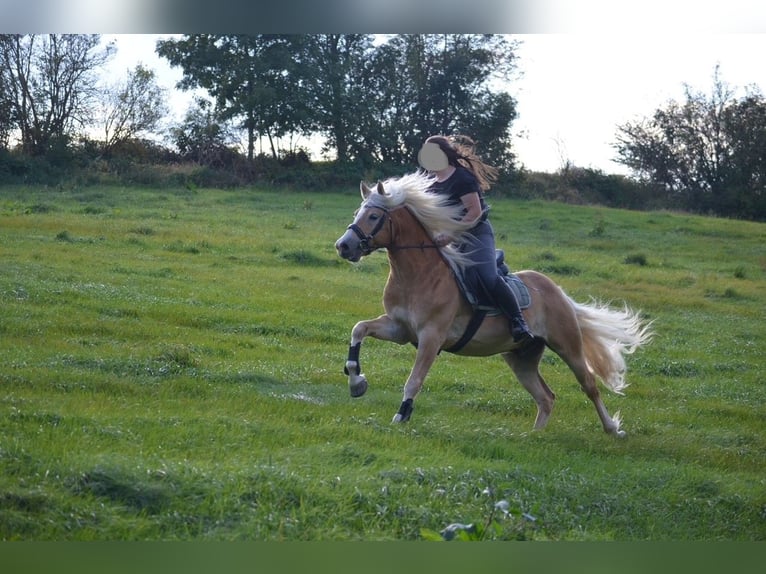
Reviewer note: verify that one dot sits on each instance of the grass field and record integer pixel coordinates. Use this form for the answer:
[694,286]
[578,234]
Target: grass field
[171,369]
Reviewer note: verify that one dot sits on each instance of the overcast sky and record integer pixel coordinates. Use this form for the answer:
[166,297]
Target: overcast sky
[577,88]
[573,90]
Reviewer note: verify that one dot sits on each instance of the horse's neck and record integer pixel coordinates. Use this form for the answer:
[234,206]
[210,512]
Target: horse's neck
[408,261]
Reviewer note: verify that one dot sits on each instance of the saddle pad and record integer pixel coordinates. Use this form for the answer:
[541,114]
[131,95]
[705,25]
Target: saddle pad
[478,302]
[519,289]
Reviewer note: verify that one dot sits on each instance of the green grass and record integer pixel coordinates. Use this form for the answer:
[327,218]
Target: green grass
[172,370]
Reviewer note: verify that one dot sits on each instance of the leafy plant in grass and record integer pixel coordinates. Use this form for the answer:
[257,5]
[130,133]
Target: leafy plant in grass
[599,227]
[636,259]
[304,257]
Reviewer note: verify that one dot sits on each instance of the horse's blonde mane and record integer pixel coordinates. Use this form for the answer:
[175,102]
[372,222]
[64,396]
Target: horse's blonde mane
[431,209]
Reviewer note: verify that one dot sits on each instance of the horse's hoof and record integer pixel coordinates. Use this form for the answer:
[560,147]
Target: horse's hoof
[620,433]
[358,387]
[397,419]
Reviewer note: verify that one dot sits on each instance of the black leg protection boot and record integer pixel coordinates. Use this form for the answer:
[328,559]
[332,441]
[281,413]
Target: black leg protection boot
[506,302]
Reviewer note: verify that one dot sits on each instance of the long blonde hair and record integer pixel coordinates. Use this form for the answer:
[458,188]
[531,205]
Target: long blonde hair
[460,151]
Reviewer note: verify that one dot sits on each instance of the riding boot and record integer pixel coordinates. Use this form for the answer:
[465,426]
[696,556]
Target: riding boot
[505,299]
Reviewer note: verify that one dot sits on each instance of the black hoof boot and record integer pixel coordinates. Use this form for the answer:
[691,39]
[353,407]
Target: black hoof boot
[405,412]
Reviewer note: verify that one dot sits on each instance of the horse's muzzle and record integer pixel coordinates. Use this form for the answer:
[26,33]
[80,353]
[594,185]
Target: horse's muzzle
[348,247]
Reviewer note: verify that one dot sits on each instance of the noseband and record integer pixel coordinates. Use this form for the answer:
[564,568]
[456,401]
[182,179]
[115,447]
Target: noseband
[365,241]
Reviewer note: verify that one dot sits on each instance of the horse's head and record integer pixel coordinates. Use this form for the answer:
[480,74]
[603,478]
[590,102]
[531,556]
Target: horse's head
[368,231]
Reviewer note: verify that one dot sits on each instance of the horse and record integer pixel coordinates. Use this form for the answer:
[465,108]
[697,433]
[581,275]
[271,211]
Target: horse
[424,305]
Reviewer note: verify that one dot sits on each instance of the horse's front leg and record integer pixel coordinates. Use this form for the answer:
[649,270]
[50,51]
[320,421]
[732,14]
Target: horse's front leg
[383,328]
[428,349]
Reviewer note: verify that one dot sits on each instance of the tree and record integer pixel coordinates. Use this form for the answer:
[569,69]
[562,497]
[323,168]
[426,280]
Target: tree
[202,137]
[50,85]
[6,113]
[385,117]
[745,193]
[332,70]
[252,78]
[489,123]
[422,84]
[708,152]
[134,107]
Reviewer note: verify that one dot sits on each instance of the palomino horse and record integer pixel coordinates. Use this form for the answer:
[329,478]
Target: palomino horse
[424,306]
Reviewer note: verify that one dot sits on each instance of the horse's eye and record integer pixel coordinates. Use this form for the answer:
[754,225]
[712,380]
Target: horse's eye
[374,217]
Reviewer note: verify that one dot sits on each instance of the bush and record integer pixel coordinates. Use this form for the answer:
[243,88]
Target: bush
[580,186]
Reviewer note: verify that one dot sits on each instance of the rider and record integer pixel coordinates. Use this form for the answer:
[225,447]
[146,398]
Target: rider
[463,177]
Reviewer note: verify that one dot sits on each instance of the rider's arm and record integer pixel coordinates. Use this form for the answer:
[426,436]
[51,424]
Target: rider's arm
[472,206]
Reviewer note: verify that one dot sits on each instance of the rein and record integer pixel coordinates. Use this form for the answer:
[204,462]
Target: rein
[365,241]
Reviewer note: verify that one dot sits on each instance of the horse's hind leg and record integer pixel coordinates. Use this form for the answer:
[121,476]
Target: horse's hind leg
[572,354]
[588,383]
[525,365]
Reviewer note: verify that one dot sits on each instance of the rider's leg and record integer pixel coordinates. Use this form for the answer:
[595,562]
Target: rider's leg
[505,299]
[485,267]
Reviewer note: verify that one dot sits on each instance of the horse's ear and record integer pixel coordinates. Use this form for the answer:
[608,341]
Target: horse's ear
[366,191]
[381,190]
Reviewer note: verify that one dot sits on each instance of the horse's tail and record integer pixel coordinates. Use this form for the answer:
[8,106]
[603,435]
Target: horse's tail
[608,334]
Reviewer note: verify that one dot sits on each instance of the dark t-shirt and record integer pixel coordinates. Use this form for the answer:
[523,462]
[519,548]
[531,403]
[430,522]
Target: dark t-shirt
[460,183]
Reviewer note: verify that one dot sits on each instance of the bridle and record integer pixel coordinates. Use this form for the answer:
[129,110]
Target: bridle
[365,240]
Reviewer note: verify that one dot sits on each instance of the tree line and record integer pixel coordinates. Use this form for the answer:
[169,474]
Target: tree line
[372,103]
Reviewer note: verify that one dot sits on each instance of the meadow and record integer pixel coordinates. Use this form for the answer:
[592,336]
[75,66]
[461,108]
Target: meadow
[171,369]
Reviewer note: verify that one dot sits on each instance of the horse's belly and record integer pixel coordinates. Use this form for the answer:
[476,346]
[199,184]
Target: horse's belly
[493,337]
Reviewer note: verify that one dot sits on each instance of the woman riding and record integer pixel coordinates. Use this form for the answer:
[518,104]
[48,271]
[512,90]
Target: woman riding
[462,177]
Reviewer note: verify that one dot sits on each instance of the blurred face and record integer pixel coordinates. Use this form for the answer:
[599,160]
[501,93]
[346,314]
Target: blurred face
[432,158]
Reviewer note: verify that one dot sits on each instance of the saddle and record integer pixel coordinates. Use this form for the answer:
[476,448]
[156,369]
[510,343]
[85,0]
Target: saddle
[479,300]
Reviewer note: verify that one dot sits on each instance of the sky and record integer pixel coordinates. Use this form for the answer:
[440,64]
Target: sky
[577,88]
[572,90]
